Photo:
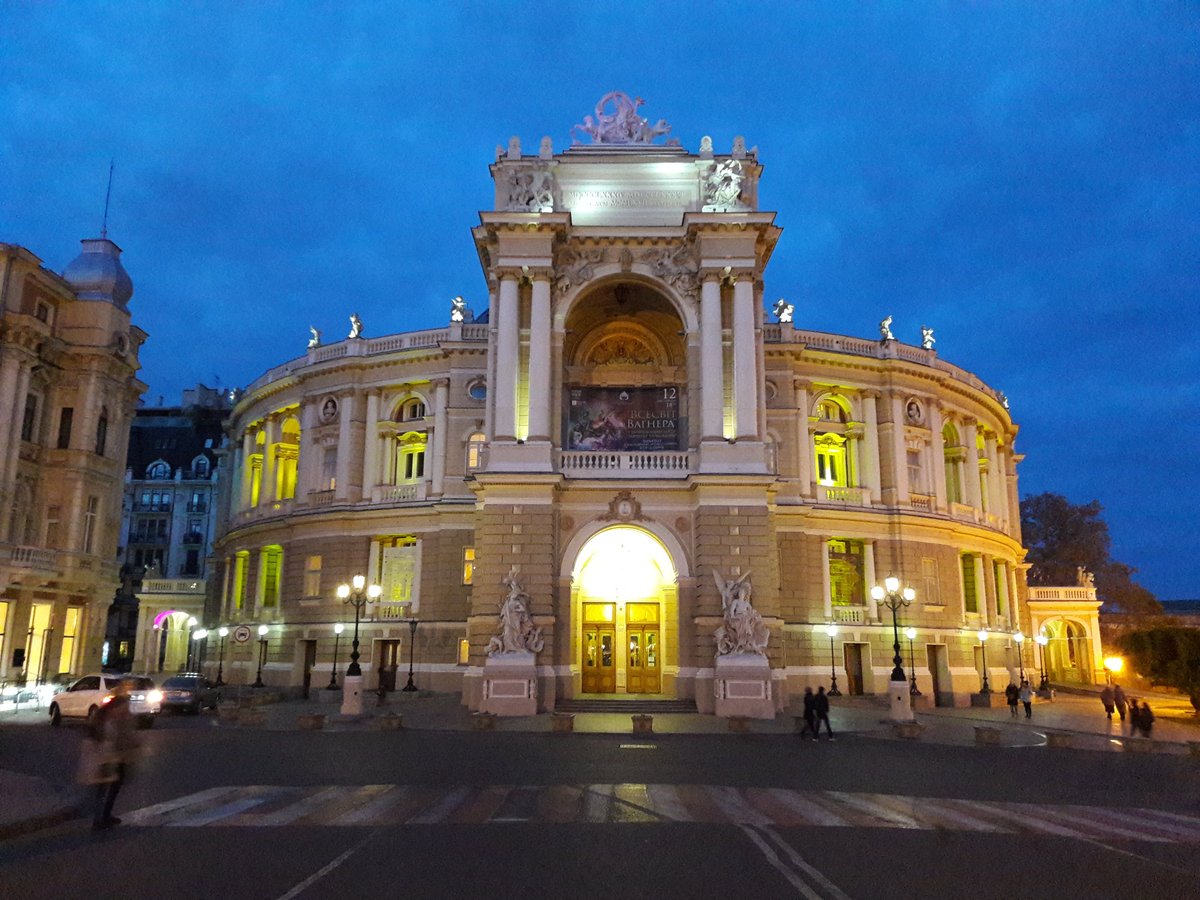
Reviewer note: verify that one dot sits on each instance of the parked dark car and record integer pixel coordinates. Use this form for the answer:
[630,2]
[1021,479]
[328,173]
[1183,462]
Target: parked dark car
[189,692]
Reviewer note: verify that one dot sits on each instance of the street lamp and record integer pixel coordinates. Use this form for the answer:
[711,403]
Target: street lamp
[412,641]
[983,636]
[262,654]
[358,594]
[224,633]
[891,596]
[832,631]
[1042,641]
[1113,666]
[911,633]
[337,637]
[191,624]
[199,635]
[1019,639]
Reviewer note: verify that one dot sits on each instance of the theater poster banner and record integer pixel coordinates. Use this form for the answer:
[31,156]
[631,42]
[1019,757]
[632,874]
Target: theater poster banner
[614,418]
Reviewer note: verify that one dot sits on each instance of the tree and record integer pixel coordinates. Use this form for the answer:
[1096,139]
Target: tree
[1168,655]
[1063,536]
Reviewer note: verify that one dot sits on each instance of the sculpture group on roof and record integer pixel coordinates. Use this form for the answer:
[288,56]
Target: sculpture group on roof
[621,126]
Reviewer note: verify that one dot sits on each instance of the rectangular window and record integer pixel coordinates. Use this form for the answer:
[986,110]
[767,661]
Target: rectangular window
[329,469]
[1000,573]
[66,661]
[29,421]
[468,568]
[930,592]
[312,576]
[271,560]
[102,433]
[191,565]
[847,572]
[241,563]
[90,517]
[53,517]
[970,588]
[414,465]
[65,419]
[916,484]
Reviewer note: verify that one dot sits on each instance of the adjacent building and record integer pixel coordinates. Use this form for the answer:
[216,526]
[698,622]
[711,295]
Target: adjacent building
[68,390]
[622,425]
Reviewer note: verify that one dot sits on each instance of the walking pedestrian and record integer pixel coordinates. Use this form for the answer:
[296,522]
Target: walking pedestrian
[1147,722]
[1026,696]
[1109,700]
[810,715]
[1011,694]
[821,708]
[1119,701]
[106,753]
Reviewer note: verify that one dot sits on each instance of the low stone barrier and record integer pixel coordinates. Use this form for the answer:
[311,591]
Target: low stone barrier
[643,724]
[311,721]
[1059,739]
[562,723]
[389,722]
[910,730]
[738,724]
[482,721]
[986,735]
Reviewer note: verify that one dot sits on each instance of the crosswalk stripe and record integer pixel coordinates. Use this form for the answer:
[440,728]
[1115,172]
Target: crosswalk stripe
[381,805]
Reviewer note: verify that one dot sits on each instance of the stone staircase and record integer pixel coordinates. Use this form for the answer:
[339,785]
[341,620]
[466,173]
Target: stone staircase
[631,705]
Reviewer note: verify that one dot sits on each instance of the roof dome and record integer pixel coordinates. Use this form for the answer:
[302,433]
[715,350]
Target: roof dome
[97,273]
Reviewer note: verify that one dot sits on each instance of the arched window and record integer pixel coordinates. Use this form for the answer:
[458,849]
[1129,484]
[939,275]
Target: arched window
[200,467]
[159,470]
[475,446]
[412,409]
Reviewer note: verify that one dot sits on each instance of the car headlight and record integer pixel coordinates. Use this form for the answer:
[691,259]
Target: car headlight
[155,696]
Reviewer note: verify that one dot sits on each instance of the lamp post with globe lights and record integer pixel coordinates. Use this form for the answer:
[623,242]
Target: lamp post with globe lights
[337,637]
[412,642]
[200,634]
[224,633]
[192,622]
[984,688]
[263,631]
[911,634]
[894,598]
[832,631]
[1042,641]
[358,594]
[1019,640]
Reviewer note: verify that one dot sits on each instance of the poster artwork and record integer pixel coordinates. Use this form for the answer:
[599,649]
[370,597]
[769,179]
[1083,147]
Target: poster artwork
[645,418]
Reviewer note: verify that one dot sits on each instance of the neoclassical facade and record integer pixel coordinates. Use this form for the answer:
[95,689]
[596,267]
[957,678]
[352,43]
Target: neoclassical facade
[68,390]
[625,420]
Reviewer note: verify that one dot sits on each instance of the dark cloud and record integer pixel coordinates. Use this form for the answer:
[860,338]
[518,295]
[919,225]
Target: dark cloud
[1020,177]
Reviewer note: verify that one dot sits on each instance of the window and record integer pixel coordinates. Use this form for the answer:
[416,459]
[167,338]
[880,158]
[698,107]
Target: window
[102,431]
[970,587]
[200,466]
[468,566]
[475,444]
[831,460]
[240,564]
[477,391]
[159,470]
[29,421]
[329,469]
[271,561]
[42,312]
[410,458]
[930,594]
[1000,572]
[89,523]
[312,576]
[413,409]
[833,446]
[66,660]
[191,565]
[64,427]
[847,572]
[53,522]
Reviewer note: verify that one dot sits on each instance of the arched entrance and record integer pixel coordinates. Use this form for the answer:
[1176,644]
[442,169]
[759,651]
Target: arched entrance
[1068,652]
[171,649]
[624,601]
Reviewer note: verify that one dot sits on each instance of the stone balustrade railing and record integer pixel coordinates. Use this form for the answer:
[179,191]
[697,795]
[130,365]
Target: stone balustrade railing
[172,586]
[625,463]
[34,558]
[1086,594]
[846,496]
[850,615]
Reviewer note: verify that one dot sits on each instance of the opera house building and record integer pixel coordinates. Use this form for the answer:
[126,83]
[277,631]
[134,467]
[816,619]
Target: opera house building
[626,430]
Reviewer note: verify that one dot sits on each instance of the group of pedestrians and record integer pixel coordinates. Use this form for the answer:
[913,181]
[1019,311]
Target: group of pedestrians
[1022,694]
[816,711]
[1141,718]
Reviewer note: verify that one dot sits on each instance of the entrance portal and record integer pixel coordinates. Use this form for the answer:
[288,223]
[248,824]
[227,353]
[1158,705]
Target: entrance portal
[624,592]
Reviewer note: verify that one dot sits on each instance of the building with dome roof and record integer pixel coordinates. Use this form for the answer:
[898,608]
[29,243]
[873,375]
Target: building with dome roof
[68,390]
[592,477]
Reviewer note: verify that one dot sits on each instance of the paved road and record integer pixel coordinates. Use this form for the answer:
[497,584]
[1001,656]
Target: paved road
[213,812]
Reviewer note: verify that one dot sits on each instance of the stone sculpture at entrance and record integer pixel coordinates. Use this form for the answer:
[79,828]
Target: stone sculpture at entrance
[744,630]
[741,672]
[517,634]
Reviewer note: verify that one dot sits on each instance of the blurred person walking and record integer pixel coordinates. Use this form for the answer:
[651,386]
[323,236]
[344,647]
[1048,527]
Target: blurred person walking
[106,753]
[821,708]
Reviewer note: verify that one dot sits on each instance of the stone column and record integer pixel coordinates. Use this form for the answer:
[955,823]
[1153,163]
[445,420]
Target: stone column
[441,397]
[804,442]
[371,447]
[899,451]
[870,446]
[508,355]
[745,363]
[937,448]
[869,578]
[712,366]
[493,331]
[345,436]
[247,473]
[267,486]
[971,475]
[981,591]
[826,587]
[539,358]
[994,504]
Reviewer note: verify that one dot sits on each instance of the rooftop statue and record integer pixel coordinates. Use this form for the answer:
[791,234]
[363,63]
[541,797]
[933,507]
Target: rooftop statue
[783,310]
[355,327]
[927,338]
[315,341]
[621,126]
[744,630]
[517,634]
[459,311]
[885,330]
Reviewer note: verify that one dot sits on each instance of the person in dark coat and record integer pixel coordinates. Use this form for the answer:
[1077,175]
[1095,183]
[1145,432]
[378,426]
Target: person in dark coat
[821,708]
[1109,700]
[1119,701]
[1012,694]
[109,749]
[1146,723]
[1026,695]
[810,714]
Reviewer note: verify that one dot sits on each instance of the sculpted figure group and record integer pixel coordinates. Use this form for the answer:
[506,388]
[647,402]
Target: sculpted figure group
[517,633]
[623,125]
[744,630]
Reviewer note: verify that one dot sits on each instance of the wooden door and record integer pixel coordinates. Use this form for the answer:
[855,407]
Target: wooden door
[310,660]
[389,659]
[854,668]
[939,671]
[642,665]
[599,659]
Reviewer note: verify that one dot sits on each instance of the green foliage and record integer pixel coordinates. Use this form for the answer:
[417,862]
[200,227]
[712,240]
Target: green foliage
[1062,536]
[1168,655]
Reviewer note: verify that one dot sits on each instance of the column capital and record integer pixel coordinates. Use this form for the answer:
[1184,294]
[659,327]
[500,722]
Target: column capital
[871,393]
[538,273]
[508,273]
[801,384]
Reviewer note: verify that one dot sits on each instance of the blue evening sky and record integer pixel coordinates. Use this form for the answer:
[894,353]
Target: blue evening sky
[1022,177]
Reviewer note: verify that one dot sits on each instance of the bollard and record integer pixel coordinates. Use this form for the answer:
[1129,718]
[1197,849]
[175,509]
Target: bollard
[562,723]
[643,724]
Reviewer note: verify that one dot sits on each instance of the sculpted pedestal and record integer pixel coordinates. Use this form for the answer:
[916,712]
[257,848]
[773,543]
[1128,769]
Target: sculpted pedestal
[510,684]
[742,686]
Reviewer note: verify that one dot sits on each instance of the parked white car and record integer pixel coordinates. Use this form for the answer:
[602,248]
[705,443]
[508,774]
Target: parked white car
[89,693]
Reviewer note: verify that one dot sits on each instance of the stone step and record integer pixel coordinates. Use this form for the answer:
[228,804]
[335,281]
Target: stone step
[649,707]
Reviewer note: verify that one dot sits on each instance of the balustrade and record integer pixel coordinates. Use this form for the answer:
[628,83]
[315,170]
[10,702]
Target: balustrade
[625,464]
